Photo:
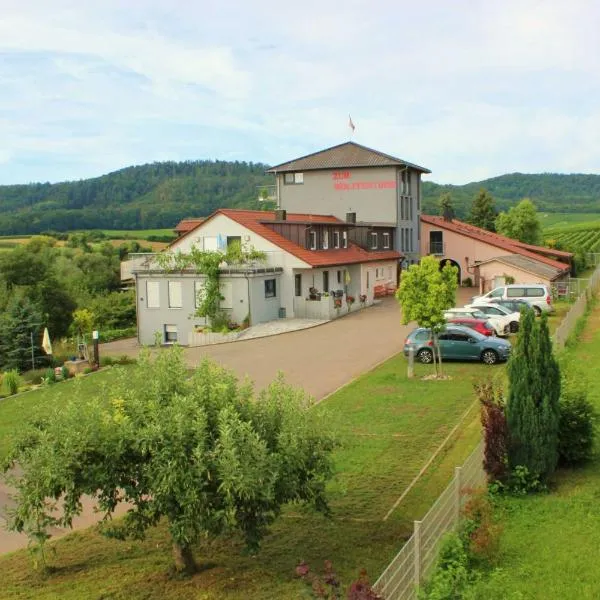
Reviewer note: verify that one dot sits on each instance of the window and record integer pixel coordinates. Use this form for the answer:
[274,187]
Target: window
[410,239]
[325,281]
[336,239]
[535,292]
[293,178]
[313,240]
[325,239]
[455,336]
[374,240]
[386,240]
[390,273]
[170,334]
[298,285]
[512,292]
[153,294]
[368,278]
[270,288]
[339,277]
[175,298]
[344,239]
[234,239]
[497,293]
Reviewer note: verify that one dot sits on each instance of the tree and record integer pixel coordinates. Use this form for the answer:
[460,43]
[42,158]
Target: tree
[521,223]
[483,211]
[201,452]
[425,292]
[446,206]
[19,325]
[532,406]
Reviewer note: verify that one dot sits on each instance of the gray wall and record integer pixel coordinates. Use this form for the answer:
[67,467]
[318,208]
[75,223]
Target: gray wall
[318,195]
[154,319]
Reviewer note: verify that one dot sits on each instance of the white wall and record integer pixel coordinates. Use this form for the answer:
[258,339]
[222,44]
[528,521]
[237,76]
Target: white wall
[276,257]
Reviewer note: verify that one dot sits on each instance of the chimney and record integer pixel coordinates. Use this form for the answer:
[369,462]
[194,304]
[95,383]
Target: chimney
[448,214]
[351,217]
[280,214]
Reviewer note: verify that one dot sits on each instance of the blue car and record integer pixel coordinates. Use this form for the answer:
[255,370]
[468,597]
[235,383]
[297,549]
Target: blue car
[457,343]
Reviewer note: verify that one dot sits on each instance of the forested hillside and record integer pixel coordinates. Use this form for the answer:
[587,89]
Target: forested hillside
[146,196]
[550,192]
[158,195]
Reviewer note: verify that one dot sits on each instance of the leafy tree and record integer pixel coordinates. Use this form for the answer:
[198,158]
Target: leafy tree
[483,211]
[521,223]
[115,310]
[425,292]
[56,306]
[21,266]
[201,452]
[446,206]
[532,406]
[19,325]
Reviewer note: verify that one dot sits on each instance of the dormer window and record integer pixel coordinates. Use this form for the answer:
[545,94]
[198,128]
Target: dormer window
[386,240]
[336,239]
[313,240]
[293,178]
[374,240]
[325,239]
[344,239]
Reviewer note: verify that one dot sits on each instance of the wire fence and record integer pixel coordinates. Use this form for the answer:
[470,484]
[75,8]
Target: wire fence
[576,311]
[413,563]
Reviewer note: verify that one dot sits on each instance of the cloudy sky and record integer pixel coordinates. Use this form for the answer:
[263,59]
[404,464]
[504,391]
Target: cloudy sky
[469,89]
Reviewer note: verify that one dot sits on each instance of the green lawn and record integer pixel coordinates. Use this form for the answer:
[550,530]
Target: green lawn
[136,234]
[549,547]
[388,425]
[550,220]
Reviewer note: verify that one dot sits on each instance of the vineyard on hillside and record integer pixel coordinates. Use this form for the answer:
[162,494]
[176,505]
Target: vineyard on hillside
[585,236]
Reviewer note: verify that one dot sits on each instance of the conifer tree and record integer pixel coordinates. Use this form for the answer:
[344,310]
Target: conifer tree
[532,409]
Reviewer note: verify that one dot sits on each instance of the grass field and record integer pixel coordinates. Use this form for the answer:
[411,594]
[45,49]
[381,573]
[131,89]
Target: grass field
[552,220]
[388,426]
[549,546]
[136,234]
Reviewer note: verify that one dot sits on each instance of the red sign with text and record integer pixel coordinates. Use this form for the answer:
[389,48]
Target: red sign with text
[341,182]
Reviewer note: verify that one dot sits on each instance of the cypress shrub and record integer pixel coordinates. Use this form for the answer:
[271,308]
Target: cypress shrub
[532,407]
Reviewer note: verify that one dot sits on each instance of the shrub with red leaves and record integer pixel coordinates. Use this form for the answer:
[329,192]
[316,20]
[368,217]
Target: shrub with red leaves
[495,430]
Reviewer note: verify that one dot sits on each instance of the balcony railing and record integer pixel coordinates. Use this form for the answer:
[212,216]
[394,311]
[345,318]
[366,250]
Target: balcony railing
[437,248]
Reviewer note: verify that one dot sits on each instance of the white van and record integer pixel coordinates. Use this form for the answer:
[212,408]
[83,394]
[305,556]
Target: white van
[536,295]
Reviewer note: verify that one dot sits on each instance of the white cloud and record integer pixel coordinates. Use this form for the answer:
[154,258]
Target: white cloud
[468,88]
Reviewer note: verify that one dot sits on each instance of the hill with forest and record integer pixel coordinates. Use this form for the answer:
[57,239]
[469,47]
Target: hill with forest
[550,192]
[158,195]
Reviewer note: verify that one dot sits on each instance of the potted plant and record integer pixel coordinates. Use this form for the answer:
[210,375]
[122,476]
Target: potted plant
[363,299]
[313,293]
[350,301]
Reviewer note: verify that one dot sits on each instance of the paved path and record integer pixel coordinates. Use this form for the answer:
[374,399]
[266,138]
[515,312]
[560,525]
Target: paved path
[319,359]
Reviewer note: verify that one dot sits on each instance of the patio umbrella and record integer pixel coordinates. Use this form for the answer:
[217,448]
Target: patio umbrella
[46,343]
[347,278]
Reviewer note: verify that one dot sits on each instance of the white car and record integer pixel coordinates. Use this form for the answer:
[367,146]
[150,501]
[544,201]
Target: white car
[509,318]
[498,324]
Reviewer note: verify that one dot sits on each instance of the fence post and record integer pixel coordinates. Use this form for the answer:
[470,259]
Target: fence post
[417,534]
[457,487]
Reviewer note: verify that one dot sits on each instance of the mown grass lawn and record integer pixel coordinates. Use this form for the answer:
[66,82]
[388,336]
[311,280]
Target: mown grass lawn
[388,425]
[549,547]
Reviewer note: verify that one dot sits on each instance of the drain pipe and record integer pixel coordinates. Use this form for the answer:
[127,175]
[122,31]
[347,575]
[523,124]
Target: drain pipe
[249,301]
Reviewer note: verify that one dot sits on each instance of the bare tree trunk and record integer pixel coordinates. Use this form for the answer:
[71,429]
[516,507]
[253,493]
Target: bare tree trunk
[434,349]
[440,359]
[184,559]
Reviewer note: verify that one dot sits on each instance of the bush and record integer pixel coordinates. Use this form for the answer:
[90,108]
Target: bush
[65,373]
[467,282]
[495,431]
[12,381]
[451,576]
[50,376]
[577,417]
[116,334]
[480,531]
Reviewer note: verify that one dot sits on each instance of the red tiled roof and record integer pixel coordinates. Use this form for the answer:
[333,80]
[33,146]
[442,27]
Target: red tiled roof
[186,225]
[494,239]
[257,221]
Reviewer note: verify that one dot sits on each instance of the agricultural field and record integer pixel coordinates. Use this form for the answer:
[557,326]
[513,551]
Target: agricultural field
[10,242]
[136,234]
[554,220]
[584,233]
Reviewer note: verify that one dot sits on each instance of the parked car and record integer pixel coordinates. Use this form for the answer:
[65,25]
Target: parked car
[511,319]
[473,313]
[482,326]
[458,343]
[536,295]
[513,305]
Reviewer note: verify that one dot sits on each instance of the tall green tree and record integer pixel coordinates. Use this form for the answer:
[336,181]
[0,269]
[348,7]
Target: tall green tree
[20,329]
[425,292]
[446,206]
[521,223]
[202,452]
[532,406]
[483,211]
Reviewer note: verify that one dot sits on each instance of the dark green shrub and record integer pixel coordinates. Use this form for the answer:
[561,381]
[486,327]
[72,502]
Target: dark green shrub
[126,360]
[50,376]
[467,282]
[107,361]
[65,373]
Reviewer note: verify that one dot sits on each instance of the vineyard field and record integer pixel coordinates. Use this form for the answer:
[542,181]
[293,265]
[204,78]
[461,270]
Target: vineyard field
[576,235]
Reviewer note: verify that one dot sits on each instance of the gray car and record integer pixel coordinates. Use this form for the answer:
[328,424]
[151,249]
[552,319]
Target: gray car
[457,343]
